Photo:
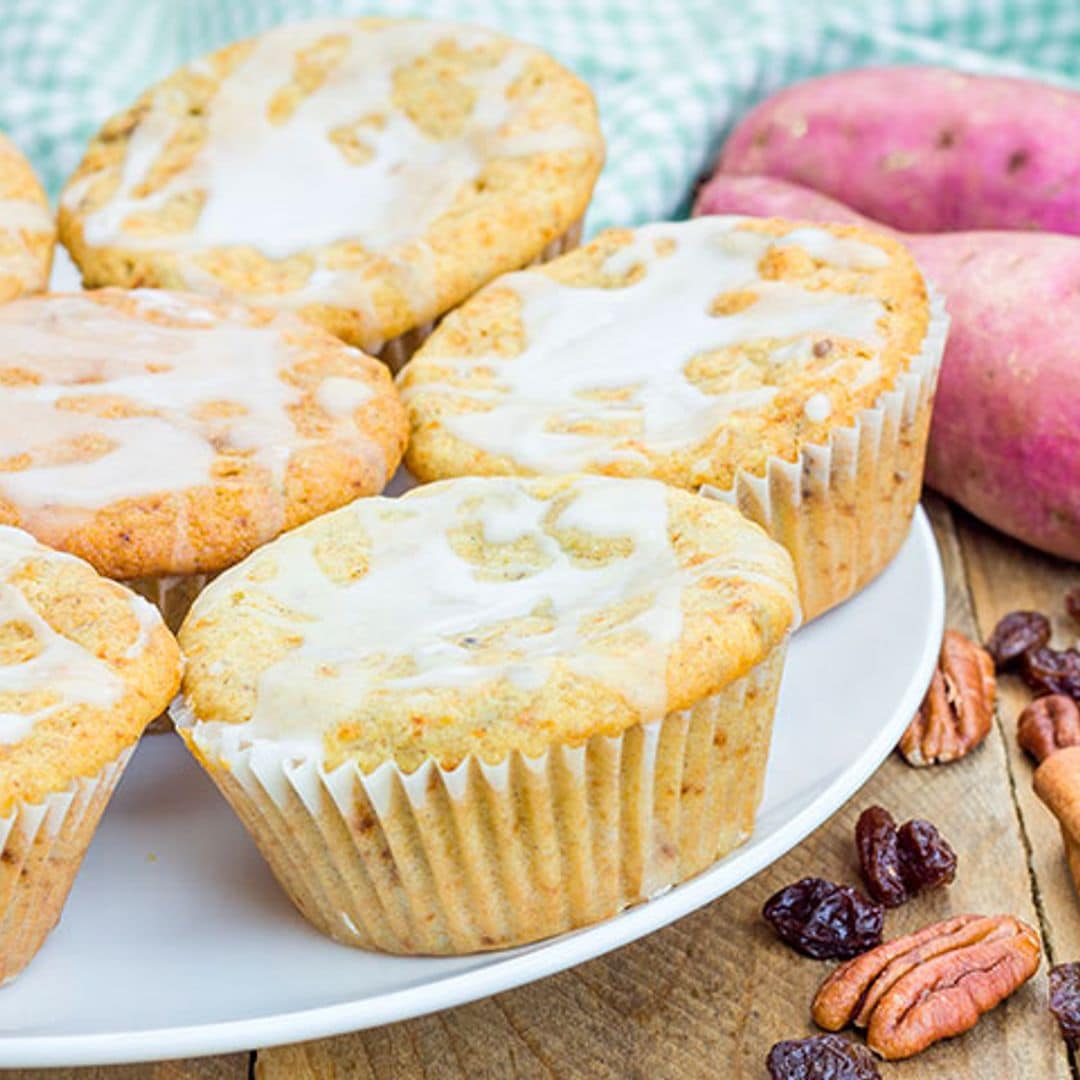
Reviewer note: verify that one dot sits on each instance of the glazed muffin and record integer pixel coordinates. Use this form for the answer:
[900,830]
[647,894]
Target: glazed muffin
[493,709]
[368,173]
[786,368]
[27,229]
[85,664]
[162,436]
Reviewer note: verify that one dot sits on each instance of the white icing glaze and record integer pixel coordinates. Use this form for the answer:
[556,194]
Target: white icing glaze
[639,339]
[254,171]
[818,407]
[83,350]
[341,397]
[61,666]
[419,616]
[20,218]
[25,214]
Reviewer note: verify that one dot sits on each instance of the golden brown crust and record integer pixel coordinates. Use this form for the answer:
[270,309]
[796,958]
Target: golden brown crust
[195,523]
[489,330]
[734,589]
[501,219]
[27,234]
[74,738]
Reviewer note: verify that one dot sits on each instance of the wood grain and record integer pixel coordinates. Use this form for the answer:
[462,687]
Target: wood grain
[708,996]
[227,1067]
[1006,577]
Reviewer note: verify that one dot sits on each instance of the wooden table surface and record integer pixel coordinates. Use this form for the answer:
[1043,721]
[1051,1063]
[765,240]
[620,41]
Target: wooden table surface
[709,995]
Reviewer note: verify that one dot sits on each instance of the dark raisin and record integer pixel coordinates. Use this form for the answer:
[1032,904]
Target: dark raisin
[1072,603]
[1015,634]
[879,859]
[824,920]
[926,859]
[897,863]
[1065,1000]
[1052,671]
[821,1057]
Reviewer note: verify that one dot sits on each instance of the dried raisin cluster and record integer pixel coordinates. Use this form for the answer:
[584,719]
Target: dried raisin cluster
[826,921]
[1021,642]
[898,862]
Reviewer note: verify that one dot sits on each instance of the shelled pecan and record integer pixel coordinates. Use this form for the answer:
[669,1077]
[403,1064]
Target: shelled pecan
[915,990]
[956,713]
[1048,724]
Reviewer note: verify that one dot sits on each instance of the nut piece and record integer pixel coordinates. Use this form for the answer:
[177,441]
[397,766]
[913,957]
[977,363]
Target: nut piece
[956,713]
[1048,724]
[931,985]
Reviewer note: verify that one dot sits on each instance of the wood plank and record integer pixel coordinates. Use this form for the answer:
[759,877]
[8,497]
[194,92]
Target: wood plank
[226,1067]
[1006,576]
[709,995]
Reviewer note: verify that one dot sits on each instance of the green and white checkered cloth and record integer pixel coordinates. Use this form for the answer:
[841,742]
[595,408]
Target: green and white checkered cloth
[670,75]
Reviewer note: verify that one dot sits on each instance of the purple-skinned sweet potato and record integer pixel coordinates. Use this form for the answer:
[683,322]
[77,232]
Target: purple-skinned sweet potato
[1005,434]
[923,149]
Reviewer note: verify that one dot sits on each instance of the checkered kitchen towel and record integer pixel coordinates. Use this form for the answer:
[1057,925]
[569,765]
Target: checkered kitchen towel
[670,75]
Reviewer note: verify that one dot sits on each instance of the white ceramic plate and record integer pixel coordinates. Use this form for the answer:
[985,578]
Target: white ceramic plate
[176,940]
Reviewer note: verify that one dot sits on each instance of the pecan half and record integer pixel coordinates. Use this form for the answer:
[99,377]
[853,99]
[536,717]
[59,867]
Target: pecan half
[910,992]
[1048,724]
[956,713]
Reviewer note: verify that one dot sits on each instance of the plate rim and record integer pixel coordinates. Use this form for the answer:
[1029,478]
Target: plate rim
[533,962]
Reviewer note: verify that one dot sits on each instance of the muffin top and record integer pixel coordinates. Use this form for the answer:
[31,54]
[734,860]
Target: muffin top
[685,352]
[481,616]
[369,172]
[27,229]
[85,665]
[162,433]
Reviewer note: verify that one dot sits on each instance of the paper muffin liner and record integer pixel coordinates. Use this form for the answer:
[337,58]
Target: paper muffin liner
[844,509]
[396,352]
[41,848]
[172,595]
[482,856]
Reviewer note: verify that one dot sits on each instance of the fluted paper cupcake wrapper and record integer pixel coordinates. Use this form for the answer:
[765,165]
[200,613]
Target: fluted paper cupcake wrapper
[485,856]
[41,848]
[396,352]
[843,509]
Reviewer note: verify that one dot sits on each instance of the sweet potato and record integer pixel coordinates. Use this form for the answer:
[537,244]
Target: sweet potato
[1005,435]
[923,149]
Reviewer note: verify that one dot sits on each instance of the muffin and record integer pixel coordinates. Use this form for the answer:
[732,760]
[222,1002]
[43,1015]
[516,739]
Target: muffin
[85,664]
[788,369]
[163,436]
[27,229]
[494,709]
[368,173]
